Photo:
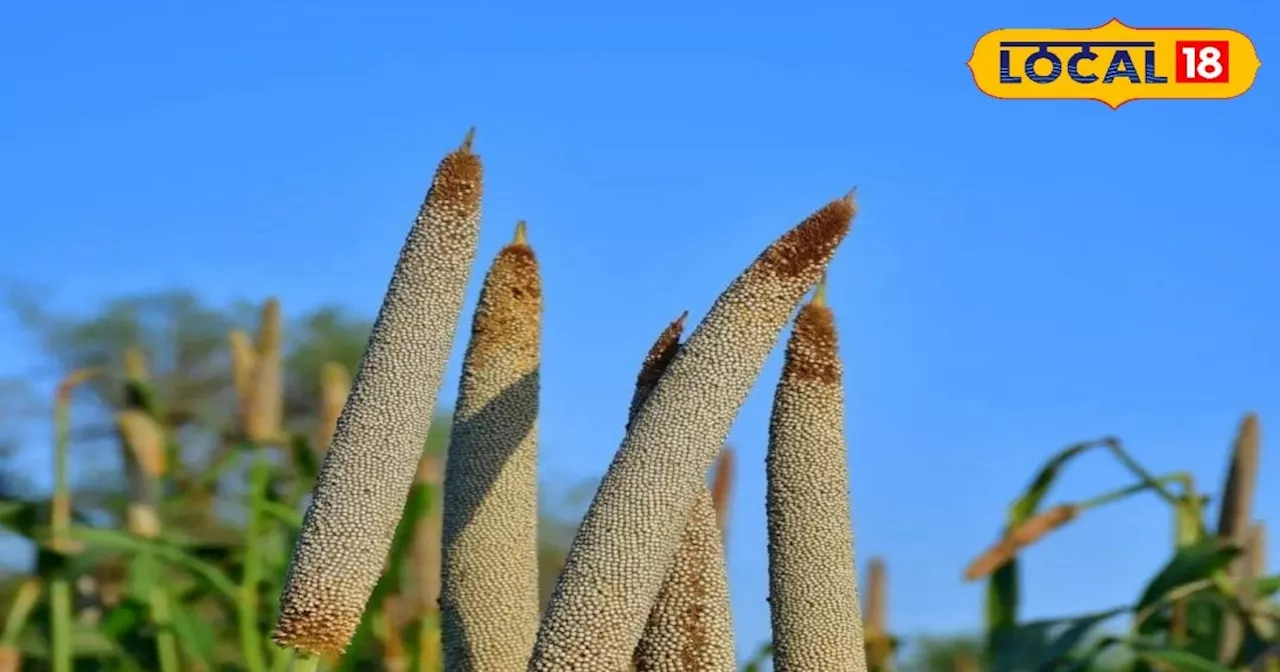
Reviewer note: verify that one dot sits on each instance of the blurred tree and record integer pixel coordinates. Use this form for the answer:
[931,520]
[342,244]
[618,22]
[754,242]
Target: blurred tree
[185,342]
[328,334]
[183,339]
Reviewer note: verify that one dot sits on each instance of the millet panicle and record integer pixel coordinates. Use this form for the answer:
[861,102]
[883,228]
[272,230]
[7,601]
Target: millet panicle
[365,478]
[489,577]
[627,541]
[813,582]
[335,385]
[144,443]
[690,627]
[243,360]
[722,489]
[875,619]
[1233,521]
[266,396]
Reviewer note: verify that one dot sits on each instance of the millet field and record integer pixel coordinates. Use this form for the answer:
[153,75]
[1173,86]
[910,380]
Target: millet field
[335,519]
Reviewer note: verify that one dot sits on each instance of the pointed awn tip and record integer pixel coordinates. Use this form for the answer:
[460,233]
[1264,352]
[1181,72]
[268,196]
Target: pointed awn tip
[820,291]
[467,139]
[521,236]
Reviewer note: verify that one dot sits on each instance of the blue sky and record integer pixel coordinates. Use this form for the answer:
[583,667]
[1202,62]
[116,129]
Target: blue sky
[1022,275]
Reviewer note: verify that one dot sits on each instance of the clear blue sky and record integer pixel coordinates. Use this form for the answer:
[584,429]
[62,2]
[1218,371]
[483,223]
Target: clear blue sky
[1023,274]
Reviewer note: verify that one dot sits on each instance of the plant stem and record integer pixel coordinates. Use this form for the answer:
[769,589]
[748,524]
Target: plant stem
[61,653]
[60,597]
[1113,444]
[247,604]
[304,663]
[1172,596]
[281,659]
[19,610]
[1116,495]
[166,645]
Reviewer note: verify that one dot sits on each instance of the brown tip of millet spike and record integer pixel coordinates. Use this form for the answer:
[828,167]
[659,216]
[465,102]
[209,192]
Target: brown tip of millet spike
[518,254]
[811,351]
[812,242]
[458,180]
[508,313]
[852,199]
[315,634]
[660,355]
[467,140]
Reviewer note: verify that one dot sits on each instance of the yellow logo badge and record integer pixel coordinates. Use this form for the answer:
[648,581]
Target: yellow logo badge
[1114,63]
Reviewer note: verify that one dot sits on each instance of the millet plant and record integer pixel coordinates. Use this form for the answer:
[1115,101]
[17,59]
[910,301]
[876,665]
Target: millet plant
[1209,608]
[648,550]
[430,558]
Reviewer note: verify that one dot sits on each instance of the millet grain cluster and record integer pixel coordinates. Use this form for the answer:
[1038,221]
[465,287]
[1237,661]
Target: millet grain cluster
[361,489]
[875,618]
[266,387]
[335,385]
[144,440]
[721,487]
[1233,521]
[489,586]
[813,585]
[242,363]
[690,627]
[628,539]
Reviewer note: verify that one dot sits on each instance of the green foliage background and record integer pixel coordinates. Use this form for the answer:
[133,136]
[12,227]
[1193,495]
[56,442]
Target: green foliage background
[202,595]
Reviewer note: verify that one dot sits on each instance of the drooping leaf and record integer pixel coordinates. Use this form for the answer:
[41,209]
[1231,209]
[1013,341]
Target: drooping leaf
[1177,659]
[1192,563]
[757,661]
[304,458]
[194,634]
[1073,634]
[1017,648]
[118,541]
[1002,589]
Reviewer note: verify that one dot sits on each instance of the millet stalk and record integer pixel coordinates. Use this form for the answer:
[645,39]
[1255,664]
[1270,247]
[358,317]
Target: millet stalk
[265,404]
[876,618]
[144,443]
[62,654]
[1233,523]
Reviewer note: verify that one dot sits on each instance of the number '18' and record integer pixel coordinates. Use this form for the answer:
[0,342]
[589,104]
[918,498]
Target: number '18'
[1202,61]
